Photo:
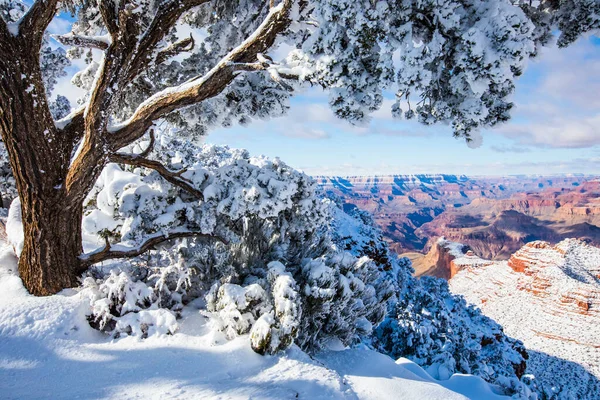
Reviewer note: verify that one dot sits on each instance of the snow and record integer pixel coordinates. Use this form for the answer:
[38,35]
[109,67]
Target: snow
[540,307]
[14,226]
[376,376]
[63,122]
[47,349]
[13,28]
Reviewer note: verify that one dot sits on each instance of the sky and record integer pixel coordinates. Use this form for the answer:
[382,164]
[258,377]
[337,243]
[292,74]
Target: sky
[555,128]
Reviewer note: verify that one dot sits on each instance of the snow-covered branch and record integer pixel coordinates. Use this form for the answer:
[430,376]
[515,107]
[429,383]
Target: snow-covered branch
[181,46]
[94,42]
[166,17]
[241,58]
[110,252]
[173,177]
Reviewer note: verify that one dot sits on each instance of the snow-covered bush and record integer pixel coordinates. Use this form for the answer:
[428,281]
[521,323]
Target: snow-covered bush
[277,329]
[237,307]
[122,305]
[271,318]
[276,260]
[439,331]
[265,257]
[155,288]
[345,297]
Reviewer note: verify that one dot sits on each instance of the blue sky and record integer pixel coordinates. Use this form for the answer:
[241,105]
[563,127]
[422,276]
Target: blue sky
[555,128]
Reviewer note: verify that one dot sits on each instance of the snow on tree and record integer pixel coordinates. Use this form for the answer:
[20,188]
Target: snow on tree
[275,272]
[572,18]
[459,60]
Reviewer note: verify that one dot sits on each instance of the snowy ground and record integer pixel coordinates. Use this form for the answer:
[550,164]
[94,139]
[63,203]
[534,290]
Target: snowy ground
[47,350]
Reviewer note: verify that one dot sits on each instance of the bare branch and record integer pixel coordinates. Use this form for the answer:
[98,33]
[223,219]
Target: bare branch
[166,17]
[71,39]
[242,58]
[173,177]
[186,44]
[108,253]
[108,10]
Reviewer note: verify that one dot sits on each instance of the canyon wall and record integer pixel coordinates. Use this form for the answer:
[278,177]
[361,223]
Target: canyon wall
[494,216]
[548,296]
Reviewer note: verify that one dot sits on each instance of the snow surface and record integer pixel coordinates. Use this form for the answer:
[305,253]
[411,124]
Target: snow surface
[14,226]
[48,350]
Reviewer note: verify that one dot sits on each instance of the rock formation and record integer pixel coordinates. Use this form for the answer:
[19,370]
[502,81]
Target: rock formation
[548,297]
[440,261]
[493,215]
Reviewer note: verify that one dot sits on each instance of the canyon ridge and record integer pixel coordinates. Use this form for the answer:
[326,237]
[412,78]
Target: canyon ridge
[494,216]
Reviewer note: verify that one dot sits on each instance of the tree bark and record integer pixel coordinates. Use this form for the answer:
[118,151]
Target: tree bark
[51,186]
[40,157]
[50,260]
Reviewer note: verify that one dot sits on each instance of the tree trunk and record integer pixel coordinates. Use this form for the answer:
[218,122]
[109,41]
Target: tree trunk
[40,156]
[50,260]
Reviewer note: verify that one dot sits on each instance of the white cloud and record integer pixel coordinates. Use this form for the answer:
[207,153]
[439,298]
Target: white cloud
[558,131]
[558,101]
[306,133]
[510,149]
[59,26]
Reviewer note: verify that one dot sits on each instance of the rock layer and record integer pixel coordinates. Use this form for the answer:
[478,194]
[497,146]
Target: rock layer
[495,216]
[548,297]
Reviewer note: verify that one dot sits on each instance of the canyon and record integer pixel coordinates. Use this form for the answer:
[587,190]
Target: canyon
[495,216]
[547,296]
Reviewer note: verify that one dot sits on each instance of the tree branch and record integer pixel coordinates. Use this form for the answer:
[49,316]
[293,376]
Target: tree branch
[242,58]
[166,17]
[72,128]
[4,33]
[71,39]
[150,145]
[173,177]
[108,253]
[36,20]
[128,55]
[108,10]
[186,44]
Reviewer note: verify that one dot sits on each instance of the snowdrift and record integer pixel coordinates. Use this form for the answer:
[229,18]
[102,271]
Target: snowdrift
[48,350]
